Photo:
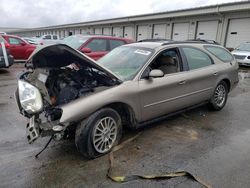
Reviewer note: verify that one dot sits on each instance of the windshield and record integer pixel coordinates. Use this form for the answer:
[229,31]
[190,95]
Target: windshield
[126,61]
[244,47]
[75,41]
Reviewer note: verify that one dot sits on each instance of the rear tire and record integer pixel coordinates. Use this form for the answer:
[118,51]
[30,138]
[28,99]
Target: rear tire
[219,99]
[99,133]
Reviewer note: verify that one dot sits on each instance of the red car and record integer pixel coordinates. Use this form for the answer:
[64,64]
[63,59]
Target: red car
[95,46]
[19,48]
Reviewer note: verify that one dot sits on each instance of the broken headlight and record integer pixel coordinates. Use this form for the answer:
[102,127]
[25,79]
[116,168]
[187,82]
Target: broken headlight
[30,97]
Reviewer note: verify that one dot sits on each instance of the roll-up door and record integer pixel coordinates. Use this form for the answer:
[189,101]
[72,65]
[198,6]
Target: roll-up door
[160,31]
[180,31]
[207,30]
[238,32]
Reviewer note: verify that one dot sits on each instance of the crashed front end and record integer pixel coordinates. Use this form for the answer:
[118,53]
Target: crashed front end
[57,75]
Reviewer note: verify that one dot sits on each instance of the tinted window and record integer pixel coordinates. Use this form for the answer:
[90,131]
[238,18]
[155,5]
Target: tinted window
[220,53]
[115,43]
[54,37]
[196,58]
[14,41]
[97,45]
[47,37]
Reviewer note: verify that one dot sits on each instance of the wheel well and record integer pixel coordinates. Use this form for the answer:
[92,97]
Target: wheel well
[126,112]
[228,84]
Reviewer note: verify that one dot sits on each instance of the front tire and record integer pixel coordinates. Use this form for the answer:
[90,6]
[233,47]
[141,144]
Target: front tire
[219,99]
[99,133]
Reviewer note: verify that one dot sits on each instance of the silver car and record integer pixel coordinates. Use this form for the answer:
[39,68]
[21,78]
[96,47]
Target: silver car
[135,84]
[242,54]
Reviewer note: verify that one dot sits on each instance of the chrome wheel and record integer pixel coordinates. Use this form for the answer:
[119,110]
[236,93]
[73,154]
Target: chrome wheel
[220,95]
[104,134]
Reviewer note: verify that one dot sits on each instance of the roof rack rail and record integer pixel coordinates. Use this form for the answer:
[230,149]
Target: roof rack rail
[197,41]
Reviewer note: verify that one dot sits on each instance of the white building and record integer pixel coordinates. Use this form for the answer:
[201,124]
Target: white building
[228,24]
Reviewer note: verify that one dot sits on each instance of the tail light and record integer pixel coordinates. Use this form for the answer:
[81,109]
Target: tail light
[7,45]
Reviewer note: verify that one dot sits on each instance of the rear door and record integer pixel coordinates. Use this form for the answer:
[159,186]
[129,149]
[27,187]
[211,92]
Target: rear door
[201,76]
[99,48]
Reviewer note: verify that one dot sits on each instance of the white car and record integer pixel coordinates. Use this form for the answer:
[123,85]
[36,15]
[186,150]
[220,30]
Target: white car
[242,54]
[47,39]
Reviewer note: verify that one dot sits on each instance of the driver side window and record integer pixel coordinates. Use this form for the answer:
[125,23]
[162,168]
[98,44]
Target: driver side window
[167,61]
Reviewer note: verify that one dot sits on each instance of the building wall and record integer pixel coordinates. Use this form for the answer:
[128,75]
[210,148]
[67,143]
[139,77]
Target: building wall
[183,27]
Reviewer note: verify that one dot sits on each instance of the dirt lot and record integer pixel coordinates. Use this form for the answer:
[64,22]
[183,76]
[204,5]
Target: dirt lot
[212,145]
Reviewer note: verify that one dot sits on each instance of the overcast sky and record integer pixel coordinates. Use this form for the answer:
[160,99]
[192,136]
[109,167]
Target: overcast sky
[31,13]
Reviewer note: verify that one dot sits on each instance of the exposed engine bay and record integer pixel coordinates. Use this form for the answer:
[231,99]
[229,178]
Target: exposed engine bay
[59,86]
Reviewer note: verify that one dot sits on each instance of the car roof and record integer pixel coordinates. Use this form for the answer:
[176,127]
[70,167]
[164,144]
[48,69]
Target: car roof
[102,36]
[162,44]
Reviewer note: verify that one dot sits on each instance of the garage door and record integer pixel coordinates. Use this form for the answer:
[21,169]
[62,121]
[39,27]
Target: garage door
[180,31]
[160,31]
[107,30]
[238,32]
[129,32]
[117,31]
[207,30]
[142,32]
[77,31]
[97,31]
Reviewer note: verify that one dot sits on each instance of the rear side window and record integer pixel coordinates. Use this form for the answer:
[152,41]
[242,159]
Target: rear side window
[220,53]
[115,43]
[14,41]
[196,58]
[97,45]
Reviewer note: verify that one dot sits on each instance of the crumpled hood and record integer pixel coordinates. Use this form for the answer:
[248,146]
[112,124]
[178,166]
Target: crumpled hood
[61,55]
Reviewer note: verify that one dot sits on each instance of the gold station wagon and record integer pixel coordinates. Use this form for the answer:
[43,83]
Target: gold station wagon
[135,84]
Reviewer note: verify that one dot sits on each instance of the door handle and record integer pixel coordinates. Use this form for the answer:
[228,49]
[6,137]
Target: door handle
[215,74]
[182,82]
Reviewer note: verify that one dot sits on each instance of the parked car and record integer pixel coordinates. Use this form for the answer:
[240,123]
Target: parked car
[242,54]
[48,39]
[19,48]
[30,40]
[93,45]
[132,85]
[6,60]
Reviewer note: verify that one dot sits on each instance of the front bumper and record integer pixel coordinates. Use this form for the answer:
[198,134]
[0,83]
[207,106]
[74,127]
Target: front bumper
[245,62]
[36,128]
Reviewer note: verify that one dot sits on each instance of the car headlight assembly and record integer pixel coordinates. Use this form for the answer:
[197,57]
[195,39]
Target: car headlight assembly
[30,97]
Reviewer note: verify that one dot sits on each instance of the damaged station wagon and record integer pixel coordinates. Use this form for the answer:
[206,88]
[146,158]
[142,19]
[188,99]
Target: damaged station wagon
[135,84]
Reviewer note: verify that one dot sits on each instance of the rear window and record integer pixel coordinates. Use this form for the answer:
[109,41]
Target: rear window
[220,53]
[115,43]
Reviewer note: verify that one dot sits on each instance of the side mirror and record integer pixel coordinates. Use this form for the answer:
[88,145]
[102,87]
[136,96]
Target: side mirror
[86,50]
[23,43]
[156,73]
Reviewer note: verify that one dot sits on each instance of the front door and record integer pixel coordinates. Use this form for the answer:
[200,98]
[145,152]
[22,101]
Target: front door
[163,95]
